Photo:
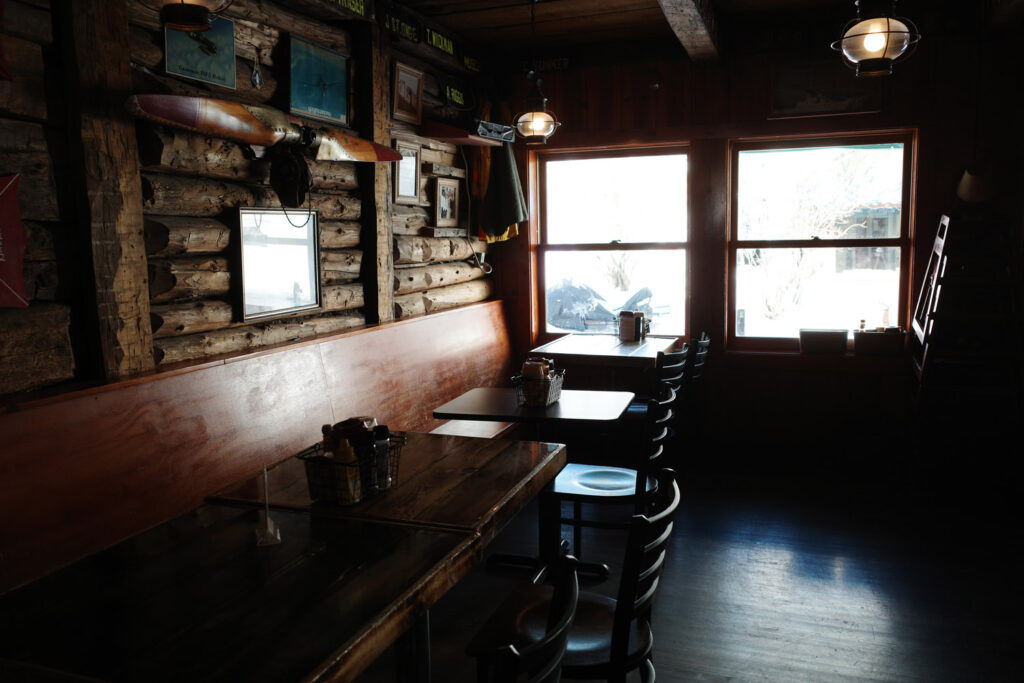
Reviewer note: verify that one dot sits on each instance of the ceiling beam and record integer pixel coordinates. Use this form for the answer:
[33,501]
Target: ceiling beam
[693,22]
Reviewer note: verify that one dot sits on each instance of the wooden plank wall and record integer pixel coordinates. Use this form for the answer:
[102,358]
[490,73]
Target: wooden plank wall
[85,469]
[35,347]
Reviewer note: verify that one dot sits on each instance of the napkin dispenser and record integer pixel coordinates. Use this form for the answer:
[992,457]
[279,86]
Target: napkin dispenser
[632,326]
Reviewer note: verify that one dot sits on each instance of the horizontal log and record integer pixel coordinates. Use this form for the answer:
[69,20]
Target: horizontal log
[341,261]
[444,232]
[21,137]
[342,297]
[196,278]
[247,338]
[169,320]
[186,196]
[419,278]
[35,347]
[25,20]
[177,235]
[178,151]
[444,170]
[25,94]
[407,220]
[174,151]
[42,280]
[433,300]
[39,240]
[339,234]
[410,249]
[37,194]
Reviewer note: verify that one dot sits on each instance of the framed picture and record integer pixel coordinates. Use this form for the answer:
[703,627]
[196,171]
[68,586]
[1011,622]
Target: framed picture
[407,173]
[319,82]
[821,88]
[280,262]
[208,56]
[408,99]
[446,203]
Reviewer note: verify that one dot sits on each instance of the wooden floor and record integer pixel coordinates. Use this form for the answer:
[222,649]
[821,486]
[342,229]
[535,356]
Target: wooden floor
[841,585]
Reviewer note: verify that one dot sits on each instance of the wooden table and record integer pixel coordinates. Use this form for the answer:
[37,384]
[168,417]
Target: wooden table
[435,474]
[605,349]
[503,404]
[601,361]
[196,599]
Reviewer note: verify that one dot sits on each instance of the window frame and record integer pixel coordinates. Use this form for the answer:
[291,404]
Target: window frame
[904,242]
[539,159]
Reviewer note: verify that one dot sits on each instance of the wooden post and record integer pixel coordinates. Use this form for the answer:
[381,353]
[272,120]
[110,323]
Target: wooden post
[103,145]
[376,178]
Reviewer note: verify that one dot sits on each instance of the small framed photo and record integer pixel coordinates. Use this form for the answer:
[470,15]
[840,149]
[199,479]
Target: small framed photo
[208,56]
[319,82]
[446,203]
[280,262]
[408,98]
[407,173]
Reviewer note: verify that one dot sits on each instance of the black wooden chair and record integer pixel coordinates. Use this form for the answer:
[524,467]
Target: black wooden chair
[609,637]
[647,429]
[534,655]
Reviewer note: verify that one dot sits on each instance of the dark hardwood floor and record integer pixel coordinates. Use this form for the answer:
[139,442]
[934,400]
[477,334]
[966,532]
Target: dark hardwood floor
[798,579]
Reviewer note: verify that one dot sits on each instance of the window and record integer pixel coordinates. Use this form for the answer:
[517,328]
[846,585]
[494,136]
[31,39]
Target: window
[613,237]
[819,237]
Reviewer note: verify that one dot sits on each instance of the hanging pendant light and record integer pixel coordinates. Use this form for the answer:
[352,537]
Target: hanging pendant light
[876,39]
[536,124]
[193,15]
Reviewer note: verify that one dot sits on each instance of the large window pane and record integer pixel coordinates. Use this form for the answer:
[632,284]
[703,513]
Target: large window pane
[587,289]
[629,199]
[852,192]
[779,291]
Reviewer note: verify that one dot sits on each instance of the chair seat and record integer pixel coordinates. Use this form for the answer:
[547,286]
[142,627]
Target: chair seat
[522,619]
[595,481]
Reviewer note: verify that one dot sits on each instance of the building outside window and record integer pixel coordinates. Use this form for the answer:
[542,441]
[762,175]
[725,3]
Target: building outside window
[613,237]
[819,237]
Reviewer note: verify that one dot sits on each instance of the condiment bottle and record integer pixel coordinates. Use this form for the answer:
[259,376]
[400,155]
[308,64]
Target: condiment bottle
[362,464]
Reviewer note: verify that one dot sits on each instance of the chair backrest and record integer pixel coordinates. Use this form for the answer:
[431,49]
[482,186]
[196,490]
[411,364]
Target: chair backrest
[698,355]
[644,560]
[541,661]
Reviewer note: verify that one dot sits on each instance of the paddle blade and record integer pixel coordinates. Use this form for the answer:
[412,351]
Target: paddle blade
[338,146]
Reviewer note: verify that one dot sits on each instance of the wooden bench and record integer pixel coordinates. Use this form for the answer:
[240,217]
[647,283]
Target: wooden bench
[88,468]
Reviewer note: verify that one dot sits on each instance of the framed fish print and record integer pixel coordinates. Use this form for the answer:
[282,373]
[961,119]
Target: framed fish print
[319,82]
[207,56]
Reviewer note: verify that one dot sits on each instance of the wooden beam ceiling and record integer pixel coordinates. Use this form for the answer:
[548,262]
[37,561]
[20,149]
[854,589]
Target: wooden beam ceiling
[693,22]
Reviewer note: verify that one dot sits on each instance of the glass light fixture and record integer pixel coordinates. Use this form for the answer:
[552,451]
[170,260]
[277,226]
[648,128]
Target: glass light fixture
[193,15]
[536,124]
[873,41]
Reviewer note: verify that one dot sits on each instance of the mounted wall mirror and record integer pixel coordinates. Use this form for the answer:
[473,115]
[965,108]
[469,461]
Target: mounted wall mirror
[280,262]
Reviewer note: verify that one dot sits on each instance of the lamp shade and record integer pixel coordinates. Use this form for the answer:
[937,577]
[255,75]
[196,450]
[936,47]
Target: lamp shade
[536,126]
[875,40]
[190,15]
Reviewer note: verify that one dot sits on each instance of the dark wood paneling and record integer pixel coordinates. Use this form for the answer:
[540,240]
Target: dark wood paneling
[86,469]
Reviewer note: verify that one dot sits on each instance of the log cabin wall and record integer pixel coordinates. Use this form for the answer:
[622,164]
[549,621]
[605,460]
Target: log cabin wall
[434,267]
[192,186]
[35,345]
